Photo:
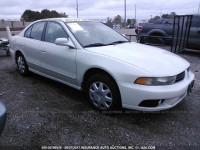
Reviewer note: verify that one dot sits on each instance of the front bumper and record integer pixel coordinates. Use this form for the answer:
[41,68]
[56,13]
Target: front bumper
[132,94]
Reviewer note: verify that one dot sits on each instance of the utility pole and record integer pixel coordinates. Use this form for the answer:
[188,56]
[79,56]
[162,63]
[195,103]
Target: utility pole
[135,12]
[199,9]
[124,13]
[160,13]
[77,8]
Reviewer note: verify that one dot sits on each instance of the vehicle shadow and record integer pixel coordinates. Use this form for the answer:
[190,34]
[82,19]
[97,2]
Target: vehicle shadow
[72,101]
[143,119]
[61,91]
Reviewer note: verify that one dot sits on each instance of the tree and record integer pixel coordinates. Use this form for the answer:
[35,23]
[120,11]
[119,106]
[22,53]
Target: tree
[45,13]
[168,16]
[165,16]
[109,22]
[171,15]
[62,14]
[156,18]
[131,22]
[144,20]
[117,20]
[30,15]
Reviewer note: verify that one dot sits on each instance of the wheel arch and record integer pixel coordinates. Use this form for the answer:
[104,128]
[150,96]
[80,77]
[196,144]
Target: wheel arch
[157,32]
[17,53]
[92,71]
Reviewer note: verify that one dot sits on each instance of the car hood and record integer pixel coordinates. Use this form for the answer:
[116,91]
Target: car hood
[154,60]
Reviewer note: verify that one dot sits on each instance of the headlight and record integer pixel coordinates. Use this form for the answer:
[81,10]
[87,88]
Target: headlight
[156,81]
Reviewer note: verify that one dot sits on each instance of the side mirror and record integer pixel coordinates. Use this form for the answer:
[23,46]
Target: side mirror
[64,42]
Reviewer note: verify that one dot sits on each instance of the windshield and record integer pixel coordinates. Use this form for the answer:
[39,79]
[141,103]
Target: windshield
[91,34]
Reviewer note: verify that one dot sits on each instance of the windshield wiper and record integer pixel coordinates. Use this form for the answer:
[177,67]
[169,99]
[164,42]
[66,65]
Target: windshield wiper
[118,42]
[95,44]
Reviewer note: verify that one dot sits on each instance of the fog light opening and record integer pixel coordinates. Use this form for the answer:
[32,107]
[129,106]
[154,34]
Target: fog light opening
[161,101]
[151,103]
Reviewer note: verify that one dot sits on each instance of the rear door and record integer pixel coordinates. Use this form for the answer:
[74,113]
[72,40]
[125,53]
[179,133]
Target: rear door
[58,61]
[32,45]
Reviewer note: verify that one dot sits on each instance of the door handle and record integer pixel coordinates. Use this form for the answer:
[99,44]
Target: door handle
[22,45]
[43,51]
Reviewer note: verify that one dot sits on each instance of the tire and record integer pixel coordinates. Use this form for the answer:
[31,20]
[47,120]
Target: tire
[142,39]
[158,41]
[102,92]
[22,65]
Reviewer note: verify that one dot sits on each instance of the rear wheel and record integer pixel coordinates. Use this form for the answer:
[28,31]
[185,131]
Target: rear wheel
[102,92]
[142,39]
[158,41]
[155,40]
[22,65]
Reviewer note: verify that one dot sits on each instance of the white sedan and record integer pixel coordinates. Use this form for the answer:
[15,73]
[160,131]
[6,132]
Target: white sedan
[112,71]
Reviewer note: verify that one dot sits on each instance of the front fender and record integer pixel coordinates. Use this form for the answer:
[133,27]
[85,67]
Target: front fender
[119,70]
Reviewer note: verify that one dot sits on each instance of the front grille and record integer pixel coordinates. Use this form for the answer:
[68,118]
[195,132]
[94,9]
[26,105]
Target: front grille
[180,76]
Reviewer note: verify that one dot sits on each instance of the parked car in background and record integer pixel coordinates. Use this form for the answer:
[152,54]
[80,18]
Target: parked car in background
[154,29]
[110,69]
[165,30]
[2,116]
[4,45]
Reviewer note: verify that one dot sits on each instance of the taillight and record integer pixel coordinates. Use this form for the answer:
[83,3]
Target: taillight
[140,28]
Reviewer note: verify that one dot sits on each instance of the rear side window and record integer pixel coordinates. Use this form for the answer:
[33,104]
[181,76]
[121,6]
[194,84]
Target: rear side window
[28,32]
[195,21]
[37,30]
[54,31]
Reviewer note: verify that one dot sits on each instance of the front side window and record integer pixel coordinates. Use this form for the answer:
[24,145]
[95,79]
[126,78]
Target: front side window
[54,31]
[37,30]
[28,32]
[95,34]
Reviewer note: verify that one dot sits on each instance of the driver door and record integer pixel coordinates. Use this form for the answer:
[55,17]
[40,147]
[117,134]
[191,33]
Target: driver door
[58,61]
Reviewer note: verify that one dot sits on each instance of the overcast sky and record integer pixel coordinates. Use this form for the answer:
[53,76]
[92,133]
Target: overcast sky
[99,9]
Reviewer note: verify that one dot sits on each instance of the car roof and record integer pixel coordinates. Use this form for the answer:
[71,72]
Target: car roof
[68,19]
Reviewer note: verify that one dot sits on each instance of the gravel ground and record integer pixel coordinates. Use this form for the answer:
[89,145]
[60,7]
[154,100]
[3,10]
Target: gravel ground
[42,112]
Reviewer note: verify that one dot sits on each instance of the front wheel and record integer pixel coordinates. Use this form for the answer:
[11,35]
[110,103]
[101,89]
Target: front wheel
[102,92]
[22,65]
